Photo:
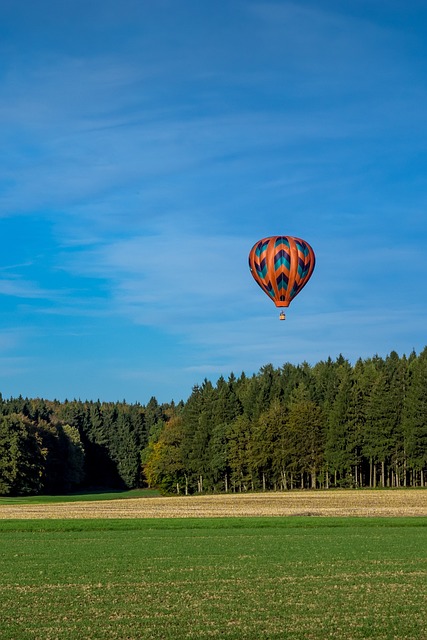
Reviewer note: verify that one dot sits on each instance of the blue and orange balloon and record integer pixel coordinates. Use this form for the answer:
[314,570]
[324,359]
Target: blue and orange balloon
[281,266]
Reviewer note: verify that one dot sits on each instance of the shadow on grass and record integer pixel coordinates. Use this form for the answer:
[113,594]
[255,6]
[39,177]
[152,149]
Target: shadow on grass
[86,496]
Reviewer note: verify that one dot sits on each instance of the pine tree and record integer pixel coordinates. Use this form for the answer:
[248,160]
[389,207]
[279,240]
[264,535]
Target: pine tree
[306,425]
[339,446]
[124,450]
[415,418]
[270,447]
[326,383]
[379,445]
[238,454]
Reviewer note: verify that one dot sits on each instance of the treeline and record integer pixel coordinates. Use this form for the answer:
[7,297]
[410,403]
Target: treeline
[333,424]
[321,426]
[49,447]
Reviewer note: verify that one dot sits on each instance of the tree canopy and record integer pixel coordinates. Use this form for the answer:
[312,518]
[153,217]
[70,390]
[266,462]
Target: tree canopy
[333,424]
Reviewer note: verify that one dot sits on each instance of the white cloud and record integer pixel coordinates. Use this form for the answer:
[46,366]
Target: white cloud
[177,276]
[23,289]
[10,367]
[94,134]
[10,339]
[158,169]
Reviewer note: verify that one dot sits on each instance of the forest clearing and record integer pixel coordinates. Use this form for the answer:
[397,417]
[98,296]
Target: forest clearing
[333,502]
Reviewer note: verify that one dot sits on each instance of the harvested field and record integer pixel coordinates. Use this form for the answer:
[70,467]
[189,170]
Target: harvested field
[338,503]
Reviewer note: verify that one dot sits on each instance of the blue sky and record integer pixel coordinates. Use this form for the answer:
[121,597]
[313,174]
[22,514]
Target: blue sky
[147,145]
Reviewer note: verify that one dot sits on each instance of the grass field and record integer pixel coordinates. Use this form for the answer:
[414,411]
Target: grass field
[96,496]
[236,578]
[242,578]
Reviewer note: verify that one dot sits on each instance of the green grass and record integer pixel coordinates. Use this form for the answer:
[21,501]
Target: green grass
[242,578]
[82,497]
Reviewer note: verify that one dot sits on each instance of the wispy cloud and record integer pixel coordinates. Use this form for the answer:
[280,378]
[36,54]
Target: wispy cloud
[11,367]
[24,289]
[198,288]
[100,137]
[153,150]
[175,275]
[10,339]
[332,44]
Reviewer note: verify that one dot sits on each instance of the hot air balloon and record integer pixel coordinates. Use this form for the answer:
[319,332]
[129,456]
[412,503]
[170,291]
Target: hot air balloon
[281,266]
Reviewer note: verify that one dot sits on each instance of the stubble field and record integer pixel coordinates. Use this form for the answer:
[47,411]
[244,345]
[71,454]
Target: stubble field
[339,503]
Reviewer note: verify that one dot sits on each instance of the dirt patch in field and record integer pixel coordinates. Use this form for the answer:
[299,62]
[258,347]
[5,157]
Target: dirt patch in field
[362,503]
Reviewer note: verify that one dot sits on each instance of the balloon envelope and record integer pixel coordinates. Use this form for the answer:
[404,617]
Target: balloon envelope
[282,266]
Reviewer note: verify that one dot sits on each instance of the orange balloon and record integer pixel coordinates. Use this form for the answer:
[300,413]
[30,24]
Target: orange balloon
[281,266]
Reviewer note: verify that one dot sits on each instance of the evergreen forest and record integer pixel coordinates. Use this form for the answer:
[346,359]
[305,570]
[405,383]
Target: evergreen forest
[332,424]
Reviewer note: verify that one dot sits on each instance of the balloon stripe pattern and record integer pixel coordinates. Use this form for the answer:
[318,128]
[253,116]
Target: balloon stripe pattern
[281,266]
